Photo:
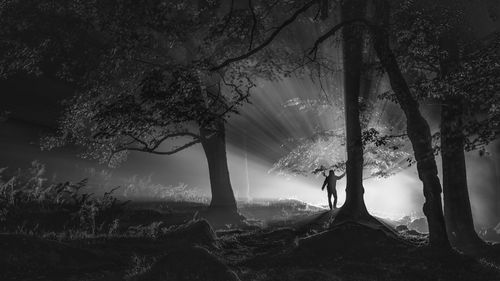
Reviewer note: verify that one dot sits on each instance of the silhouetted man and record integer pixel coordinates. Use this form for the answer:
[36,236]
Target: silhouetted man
[331,183]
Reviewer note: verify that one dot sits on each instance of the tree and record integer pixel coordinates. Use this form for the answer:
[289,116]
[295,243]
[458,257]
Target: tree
[155,80]
[462,77]
[352,50]
[417,127]
[111,123]
[352,53]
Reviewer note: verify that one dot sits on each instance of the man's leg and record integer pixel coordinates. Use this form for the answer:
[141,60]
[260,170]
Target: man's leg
[330,199]
[335,199]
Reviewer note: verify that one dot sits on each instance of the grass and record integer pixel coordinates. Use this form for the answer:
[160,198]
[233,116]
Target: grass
[29,204]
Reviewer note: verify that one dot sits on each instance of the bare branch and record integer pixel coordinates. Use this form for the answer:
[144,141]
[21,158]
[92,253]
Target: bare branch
[332,32]
[242,96]
[145,147]
[136,139]
[270,9]
[268,40]
[254,17]
[229,16]
[150,63]
[181,134]
[152,151]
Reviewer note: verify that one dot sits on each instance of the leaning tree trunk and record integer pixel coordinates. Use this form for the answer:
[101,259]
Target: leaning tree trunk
[354,206]
[457,209]
[418,132]
[214,145]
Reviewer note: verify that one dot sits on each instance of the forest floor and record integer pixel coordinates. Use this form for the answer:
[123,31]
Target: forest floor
[282,241]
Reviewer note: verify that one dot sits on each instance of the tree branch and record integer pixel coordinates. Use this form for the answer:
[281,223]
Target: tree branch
[136,139]
[160,141]
[229,16]
[332,32]
[268,40]
[254,17]
[153,151]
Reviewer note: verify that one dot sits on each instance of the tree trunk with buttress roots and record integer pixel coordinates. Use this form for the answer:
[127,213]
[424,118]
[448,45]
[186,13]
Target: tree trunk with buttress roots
[214,145]
[418,132]
[457,208]
[354,206]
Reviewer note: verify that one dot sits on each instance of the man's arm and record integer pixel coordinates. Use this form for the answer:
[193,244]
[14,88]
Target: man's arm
[324,183]
[341,176]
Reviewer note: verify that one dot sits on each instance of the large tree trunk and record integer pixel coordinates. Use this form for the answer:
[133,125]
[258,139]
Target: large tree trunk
[214,145]
[457,209]
[354,206]
[418,132]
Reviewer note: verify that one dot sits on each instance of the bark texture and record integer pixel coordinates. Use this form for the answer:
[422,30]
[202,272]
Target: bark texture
[354,206]
[457,208]
[214,145]
[418,132]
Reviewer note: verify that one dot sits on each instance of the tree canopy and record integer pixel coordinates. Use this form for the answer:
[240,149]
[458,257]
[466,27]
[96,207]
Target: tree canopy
[384,145]
[436,46]
[155,80]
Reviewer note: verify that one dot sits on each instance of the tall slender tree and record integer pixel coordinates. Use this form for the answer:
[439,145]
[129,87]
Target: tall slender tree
[444,64]
[352,55]
[352,50]
[417,127]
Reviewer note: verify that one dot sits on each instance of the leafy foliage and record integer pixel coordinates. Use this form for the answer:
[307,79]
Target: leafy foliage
[28,202]
[383,156]
[448,62]
[155,80]
[138,265]
[384,153]
[136,187]
[46,37]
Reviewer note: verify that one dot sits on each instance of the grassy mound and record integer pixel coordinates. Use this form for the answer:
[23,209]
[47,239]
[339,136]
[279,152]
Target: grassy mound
[353,251]
[24,257]
[188,264]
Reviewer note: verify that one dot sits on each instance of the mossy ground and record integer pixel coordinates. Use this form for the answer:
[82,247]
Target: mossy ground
[296,244]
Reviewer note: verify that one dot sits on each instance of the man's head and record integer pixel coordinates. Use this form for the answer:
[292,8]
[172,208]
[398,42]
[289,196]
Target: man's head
[331,172]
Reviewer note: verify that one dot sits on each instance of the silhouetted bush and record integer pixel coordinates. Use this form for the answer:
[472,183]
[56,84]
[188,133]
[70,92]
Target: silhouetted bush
[30,204]
[145,188]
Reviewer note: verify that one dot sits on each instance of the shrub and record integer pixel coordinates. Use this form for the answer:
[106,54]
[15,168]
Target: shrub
[137,187]
[30,204]
[138,265]
[154,230]
[98,214]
